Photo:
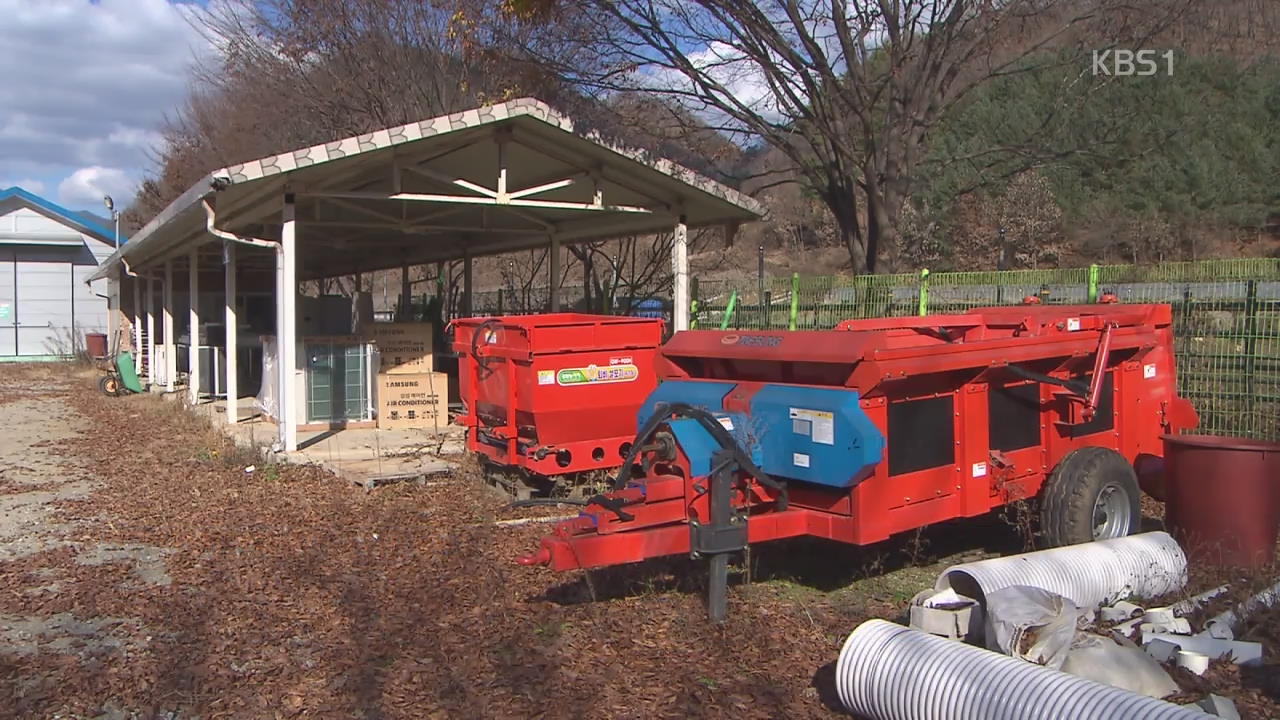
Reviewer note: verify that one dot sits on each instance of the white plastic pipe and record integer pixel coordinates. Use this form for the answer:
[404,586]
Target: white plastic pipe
[1186,607]
[889,672]
[1232,618]
[1089,574]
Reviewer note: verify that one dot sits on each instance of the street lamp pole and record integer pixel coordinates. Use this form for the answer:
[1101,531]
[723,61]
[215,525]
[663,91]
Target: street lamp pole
[115,216]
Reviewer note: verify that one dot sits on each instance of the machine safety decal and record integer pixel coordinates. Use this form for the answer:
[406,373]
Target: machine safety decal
[546,377]
[1148,371]
[979,469]
[595,374]
[726,422]
[1073,324]
[799,459]
[819,425]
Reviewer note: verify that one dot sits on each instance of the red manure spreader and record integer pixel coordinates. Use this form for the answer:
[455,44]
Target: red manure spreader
[554,395]
[885,425]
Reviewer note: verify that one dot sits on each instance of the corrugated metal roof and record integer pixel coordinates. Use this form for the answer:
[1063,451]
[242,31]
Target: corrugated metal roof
[540,142]
[59,212]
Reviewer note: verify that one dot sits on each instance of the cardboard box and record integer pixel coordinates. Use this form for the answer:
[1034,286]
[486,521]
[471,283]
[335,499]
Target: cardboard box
[404,347]
[415,401]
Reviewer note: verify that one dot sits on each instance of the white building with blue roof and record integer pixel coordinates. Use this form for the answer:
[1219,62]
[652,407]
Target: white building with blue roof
[47,253]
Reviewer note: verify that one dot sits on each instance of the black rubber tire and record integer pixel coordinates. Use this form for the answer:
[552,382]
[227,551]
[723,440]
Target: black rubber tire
[1068,498]
[109,385]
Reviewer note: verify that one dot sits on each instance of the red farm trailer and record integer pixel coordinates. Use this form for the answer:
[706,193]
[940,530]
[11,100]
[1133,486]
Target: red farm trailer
[885,425]
[554,394]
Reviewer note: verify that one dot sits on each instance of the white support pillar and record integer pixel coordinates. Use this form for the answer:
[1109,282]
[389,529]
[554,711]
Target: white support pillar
[466,283]
[282,387]
[287,335]
[232,328]
[680,273]
[554,285]
[193,326]
[137,320]
[151,332]
[170,347]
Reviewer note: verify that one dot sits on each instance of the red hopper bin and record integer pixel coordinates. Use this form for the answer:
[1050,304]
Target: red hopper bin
[556,393]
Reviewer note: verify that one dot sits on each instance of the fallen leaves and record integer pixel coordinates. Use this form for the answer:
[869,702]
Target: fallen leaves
[304,597]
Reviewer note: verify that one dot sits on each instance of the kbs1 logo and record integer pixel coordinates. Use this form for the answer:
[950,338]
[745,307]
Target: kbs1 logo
[1130,63]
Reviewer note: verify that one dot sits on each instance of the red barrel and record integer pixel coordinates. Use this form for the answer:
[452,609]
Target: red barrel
[96,345]
[1223,498]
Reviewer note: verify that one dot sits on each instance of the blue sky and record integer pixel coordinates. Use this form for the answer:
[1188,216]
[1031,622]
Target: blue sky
[86,87]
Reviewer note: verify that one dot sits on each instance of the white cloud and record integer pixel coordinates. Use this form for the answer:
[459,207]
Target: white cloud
[741,79]
[88,185]
[87,84]
[31,185]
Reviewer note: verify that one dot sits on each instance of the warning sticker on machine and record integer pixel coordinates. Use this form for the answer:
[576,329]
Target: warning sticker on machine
[1149,371]
[799,459]
[725,422]
[979,469]
[819,425]
[592,374]
[546,377]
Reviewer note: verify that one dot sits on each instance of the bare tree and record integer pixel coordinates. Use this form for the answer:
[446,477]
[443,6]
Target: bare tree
[848,91]
[617,274]
[297,72]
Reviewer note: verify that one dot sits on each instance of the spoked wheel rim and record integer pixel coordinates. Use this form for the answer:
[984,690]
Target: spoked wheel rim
[1111,513]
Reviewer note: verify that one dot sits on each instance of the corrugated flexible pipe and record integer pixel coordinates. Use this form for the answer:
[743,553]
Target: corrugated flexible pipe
[1089,574]
[890,672]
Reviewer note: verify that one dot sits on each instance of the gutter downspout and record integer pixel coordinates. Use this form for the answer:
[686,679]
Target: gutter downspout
[211,220]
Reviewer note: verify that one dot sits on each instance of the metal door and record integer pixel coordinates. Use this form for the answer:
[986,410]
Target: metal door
[43,305]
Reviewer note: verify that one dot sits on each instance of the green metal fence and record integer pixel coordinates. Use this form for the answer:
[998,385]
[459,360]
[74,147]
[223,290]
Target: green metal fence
[1226,318]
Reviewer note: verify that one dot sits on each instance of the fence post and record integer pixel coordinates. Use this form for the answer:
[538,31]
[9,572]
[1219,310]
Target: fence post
[1250,346]
[924,292]
[1093,283]
[499,301]
[766,322]
[693,303]
[728,310]
[760,285]
[795,300]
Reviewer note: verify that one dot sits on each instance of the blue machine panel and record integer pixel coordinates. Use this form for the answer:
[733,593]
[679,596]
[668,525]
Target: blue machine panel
[705,394]
[698,445]
[694,439]
[816,435]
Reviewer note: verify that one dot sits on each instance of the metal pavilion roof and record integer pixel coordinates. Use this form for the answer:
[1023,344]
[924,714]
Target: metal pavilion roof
[493,179]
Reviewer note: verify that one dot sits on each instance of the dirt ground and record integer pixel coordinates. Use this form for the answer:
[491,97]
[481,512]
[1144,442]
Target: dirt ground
[145,573]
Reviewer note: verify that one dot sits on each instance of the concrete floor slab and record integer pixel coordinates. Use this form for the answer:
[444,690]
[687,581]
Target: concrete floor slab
[365,456]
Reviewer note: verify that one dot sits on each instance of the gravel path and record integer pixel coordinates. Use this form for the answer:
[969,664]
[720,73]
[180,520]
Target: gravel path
[35,479]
